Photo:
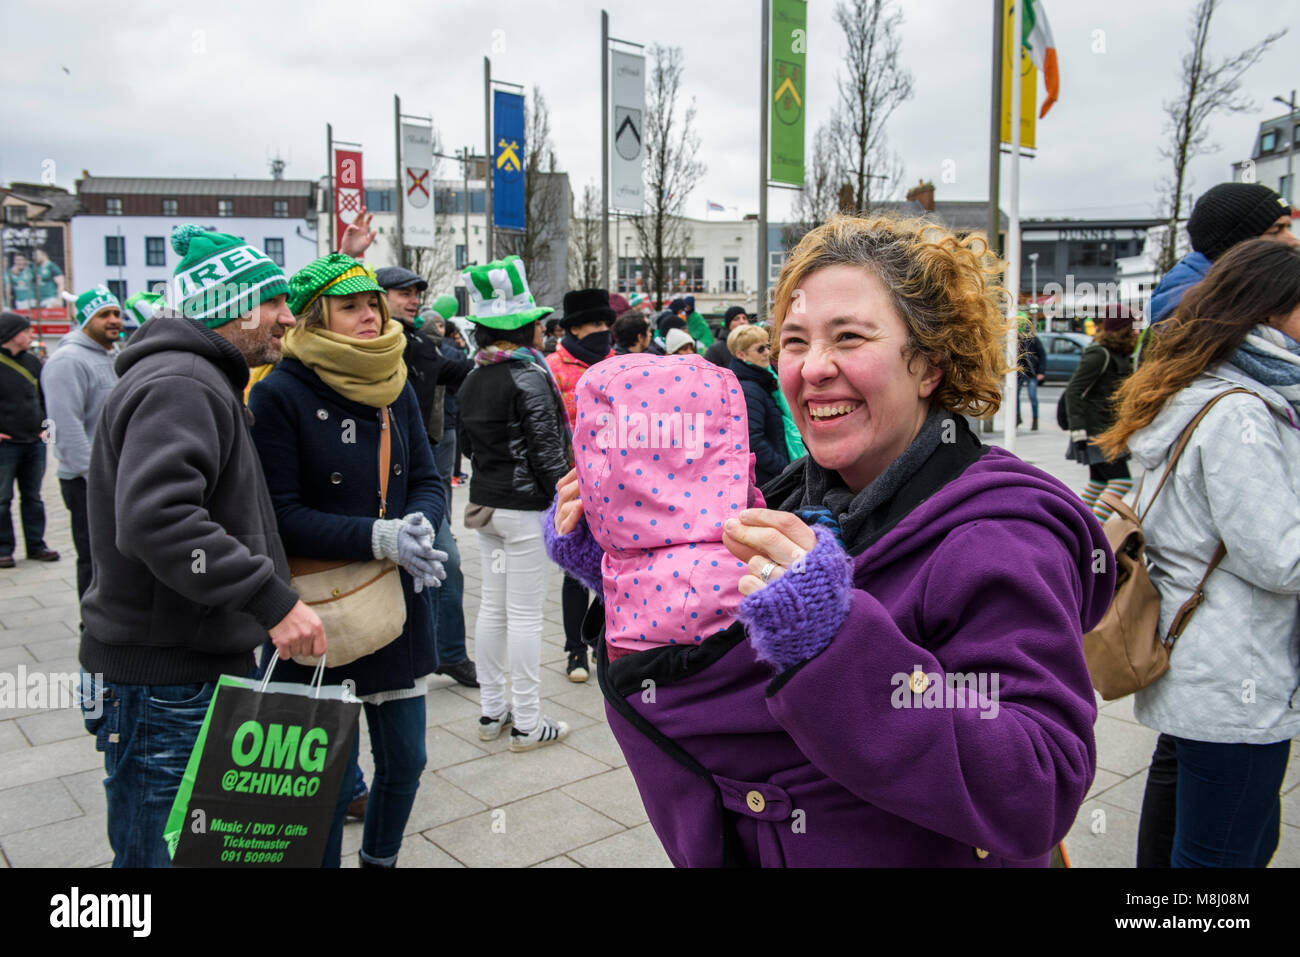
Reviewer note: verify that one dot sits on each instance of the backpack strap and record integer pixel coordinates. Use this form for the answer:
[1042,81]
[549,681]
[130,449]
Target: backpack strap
[1198,597]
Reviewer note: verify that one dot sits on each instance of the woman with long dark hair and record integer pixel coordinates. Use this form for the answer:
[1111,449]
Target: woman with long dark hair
[1230,702]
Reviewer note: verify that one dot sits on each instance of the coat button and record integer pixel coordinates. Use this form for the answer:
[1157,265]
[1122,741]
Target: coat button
[756,802]
[335,478]
[918,682]
[322,414]
[397,469]
[981,853]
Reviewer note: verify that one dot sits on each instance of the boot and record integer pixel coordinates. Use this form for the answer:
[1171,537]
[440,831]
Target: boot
[1034,426]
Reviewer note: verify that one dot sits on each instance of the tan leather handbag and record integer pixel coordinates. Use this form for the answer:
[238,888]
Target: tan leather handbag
[1125,652]
[361,604]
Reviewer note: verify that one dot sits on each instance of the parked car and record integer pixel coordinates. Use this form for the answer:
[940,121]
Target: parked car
[1064,349]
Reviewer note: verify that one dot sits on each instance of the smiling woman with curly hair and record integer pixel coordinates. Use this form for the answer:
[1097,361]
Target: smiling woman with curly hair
[910,636]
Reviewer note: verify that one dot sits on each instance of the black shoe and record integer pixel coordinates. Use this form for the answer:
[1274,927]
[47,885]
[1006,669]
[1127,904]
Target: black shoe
[7,561]
[577,669]
[44,555]
[463,672]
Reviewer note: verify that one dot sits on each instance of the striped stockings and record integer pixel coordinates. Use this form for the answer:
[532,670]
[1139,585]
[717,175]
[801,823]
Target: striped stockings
[1092,495]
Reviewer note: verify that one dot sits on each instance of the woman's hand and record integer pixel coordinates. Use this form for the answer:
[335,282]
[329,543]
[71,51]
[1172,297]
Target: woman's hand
[568,506]
[761,537]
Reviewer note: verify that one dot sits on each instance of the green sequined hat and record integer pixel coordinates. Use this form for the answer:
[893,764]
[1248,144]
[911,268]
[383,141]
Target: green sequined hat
[220,277]
[333,275]
[499,296]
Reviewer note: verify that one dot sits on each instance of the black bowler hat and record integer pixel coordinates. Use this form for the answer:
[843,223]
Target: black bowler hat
[587,305]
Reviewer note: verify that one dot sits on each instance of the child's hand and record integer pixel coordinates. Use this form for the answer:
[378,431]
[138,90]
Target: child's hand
[761,537]
[568,507]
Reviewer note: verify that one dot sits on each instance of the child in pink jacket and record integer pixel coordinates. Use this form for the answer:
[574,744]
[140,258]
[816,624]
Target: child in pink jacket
[661,447]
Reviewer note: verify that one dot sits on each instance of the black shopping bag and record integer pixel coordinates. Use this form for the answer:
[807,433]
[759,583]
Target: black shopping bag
[264,777]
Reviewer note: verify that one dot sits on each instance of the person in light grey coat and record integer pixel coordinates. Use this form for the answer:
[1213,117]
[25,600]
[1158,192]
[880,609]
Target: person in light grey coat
[1230,701]
[76,380]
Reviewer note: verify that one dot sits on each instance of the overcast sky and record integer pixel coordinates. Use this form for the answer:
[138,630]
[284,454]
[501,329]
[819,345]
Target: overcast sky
[152,88]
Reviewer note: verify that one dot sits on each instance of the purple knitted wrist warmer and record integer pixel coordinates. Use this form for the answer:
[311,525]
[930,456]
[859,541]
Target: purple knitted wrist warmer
[796,616]
[577,553]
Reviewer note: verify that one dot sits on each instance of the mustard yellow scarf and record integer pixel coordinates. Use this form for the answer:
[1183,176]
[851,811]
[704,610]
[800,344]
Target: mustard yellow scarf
[369,371]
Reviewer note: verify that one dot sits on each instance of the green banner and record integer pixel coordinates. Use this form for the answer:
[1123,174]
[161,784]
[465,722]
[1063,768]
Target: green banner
[788,79]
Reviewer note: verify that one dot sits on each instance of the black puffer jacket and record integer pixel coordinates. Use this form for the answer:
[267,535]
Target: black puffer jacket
[513,430]
[766,430]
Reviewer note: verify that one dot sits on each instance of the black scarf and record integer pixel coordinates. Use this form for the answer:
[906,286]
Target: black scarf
[581,352]
[819,496]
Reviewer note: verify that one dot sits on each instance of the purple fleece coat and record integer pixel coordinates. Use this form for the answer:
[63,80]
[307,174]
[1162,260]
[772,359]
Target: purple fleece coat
[836,761]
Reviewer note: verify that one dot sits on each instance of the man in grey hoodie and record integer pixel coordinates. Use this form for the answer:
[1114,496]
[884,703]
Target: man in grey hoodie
[190,574]
[76,380]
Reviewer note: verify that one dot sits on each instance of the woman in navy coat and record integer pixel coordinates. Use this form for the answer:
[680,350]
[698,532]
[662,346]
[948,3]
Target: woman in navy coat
[317,422]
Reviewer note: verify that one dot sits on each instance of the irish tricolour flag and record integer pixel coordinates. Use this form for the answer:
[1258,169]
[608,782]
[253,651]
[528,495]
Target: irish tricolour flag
[1037,38]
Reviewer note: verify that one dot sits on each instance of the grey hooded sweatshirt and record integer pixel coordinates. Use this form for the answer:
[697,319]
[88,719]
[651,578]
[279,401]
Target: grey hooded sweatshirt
[190,574]
[76,380]
[1234,675]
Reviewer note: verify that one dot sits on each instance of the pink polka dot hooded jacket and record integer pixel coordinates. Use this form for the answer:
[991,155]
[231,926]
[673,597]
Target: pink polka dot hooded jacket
[661,445]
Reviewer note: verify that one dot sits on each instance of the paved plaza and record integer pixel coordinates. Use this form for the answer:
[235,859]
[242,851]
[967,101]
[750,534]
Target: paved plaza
[479,805]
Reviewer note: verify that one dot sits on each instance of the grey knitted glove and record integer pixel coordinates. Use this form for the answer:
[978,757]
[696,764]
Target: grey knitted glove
[383,538]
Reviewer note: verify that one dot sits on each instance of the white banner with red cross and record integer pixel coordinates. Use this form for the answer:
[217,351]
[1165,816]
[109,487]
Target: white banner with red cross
[417,184]
[349,192]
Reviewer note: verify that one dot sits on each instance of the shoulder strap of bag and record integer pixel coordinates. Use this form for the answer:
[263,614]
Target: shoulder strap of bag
[1189,607]
[17,366]
[385,458]
[1104,367]
[1182,443]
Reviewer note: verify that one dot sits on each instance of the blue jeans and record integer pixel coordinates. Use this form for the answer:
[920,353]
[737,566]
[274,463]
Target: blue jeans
[397,743]
[449,601]
[1229,807]
[1032,382]
[146,733]
[24,461]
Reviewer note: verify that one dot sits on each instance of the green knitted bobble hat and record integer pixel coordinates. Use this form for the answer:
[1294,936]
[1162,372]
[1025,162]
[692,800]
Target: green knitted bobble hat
[221,277]
[93,300]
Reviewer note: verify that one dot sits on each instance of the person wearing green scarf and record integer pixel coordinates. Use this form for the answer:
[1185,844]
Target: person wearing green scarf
[317,423]
[773,437]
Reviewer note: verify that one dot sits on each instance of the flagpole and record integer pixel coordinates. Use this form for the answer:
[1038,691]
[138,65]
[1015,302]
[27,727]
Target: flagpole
[329,179]
[761,289]
[399,193]
[604,150]
[1010,398]
[487,163]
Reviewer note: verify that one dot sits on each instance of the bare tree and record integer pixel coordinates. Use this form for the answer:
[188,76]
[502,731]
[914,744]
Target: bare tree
[819,199]
[874,86]
[546,201]
[672,169]
[584,241]
[1207,87]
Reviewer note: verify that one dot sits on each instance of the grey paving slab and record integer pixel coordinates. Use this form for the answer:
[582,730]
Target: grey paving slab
[445,749]
[1103,836]
[467,730]
[581,699]
[50,726]
[1123,747]
[1121,709]
[87,789]
[11,736]
[1292,779]
[439,801]
[522,833]
[1288,849]
[54,649]
[613,794]
[1127,794]
[12,657]
[42,616]
[1291,809]
[509,776]
[638,847]
[441,706]
[1103,780]
[33,805]
[598,741]
[19,603]
[48,761]
[418,851]
[36,633]
[560,861]
[76,842]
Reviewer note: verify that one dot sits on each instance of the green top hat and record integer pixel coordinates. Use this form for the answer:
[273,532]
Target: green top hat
[499,296]
[333,275]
